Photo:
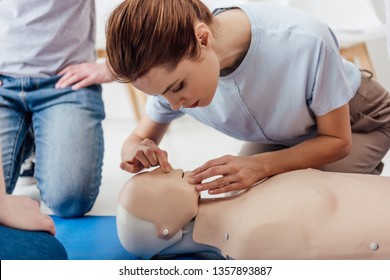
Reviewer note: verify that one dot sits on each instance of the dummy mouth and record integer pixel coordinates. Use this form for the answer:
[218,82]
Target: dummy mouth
[193,105]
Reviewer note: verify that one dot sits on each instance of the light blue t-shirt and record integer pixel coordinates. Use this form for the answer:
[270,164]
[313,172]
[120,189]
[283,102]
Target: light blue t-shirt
[292,72]
[38,38]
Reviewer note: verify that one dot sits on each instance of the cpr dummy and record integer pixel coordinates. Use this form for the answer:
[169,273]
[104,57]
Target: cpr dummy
[304,214]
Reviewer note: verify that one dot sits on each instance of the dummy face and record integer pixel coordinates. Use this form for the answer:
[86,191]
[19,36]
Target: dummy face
[164,199]
[191,84]
[153,208]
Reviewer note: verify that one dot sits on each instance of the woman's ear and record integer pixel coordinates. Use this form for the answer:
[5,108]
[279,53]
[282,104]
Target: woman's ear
[203,35]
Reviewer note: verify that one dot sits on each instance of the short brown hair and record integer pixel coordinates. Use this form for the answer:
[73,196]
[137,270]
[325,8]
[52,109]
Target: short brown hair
[142,34]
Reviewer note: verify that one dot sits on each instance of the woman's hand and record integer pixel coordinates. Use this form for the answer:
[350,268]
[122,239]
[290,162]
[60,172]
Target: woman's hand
[233,172]
[83,75]
[146,154]
[21,212]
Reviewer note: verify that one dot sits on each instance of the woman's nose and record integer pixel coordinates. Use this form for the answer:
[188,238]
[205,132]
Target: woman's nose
[176,104]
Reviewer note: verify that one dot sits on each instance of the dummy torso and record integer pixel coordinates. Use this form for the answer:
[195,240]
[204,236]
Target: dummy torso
[305,214]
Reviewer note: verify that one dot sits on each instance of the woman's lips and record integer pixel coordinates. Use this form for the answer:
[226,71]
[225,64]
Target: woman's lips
[193,105]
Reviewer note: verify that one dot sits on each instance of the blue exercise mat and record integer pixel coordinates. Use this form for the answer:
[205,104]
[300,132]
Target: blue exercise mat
[91,238]
[95,238]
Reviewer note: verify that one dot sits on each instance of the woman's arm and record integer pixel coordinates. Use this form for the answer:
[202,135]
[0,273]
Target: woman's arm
[235,173]
[333,143]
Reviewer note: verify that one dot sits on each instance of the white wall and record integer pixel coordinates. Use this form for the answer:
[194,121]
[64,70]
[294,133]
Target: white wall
[378,50]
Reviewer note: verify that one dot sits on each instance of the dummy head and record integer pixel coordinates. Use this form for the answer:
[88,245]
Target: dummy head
[145,34]
[153,208]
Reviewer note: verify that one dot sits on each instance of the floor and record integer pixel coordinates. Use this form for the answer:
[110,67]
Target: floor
[189,144]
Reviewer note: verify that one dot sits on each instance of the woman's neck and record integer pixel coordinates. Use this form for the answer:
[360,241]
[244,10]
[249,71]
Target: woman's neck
[232,34]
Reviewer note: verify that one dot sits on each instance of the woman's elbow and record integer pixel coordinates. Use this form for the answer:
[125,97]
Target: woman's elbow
[345,148]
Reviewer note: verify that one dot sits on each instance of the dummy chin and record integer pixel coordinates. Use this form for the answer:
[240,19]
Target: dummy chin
[304,214]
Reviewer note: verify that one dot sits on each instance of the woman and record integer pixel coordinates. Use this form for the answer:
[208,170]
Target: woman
[265,74]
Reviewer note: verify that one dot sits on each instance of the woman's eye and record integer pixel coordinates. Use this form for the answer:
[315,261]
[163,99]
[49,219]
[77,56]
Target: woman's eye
[178,88]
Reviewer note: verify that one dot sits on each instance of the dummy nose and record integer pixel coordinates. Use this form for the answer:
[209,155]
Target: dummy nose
[186,174]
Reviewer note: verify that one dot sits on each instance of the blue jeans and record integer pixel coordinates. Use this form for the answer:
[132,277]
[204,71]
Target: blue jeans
[68,139]
[18,244]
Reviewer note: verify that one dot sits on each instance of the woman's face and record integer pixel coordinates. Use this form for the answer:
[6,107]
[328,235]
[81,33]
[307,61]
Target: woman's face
[191,84]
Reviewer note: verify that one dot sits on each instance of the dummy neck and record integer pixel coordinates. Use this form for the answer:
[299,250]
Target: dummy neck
[186,245]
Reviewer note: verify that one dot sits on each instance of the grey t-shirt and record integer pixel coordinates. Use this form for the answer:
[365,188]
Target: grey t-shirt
[38,38]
